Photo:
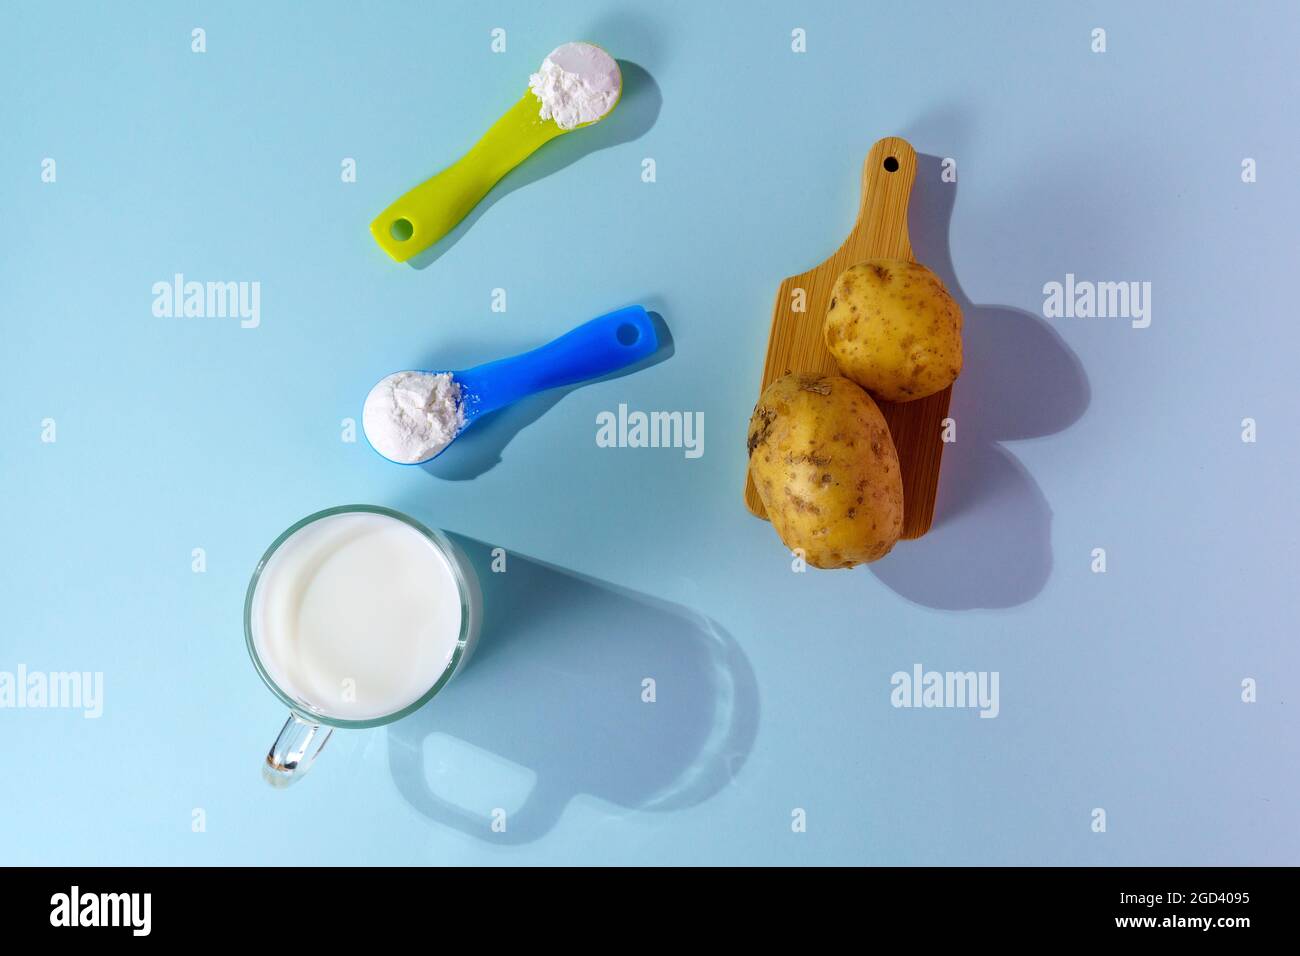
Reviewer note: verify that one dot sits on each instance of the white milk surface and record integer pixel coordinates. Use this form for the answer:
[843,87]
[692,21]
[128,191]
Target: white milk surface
[356,615]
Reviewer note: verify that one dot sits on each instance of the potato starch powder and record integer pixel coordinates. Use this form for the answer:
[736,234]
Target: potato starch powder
[577,83]
[411,416]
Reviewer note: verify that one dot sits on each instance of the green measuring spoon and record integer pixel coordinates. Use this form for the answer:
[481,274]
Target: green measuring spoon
[428,212]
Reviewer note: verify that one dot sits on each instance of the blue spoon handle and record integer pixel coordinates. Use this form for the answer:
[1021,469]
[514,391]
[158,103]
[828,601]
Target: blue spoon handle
[593,349]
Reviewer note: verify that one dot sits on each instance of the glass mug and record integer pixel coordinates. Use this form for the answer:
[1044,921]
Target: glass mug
[355,617]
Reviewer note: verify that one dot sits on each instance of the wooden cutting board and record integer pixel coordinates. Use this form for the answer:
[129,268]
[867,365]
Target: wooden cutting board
[795,343]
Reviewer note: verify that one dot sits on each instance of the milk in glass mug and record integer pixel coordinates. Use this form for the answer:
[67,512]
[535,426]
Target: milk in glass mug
[355,617]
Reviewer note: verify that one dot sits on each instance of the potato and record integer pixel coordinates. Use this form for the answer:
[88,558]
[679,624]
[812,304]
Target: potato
[827,470]
[894,329]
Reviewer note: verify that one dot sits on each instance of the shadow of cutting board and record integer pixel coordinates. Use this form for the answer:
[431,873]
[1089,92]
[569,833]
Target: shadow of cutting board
[795,343]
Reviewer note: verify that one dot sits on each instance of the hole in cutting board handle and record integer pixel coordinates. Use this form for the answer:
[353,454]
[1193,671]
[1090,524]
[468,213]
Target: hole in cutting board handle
[891,164]
[401,229]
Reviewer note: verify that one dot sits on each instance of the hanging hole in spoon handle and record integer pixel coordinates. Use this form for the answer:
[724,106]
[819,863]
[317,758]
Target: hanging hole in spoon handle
[627,334]
[294,751]
[596,348]
[401,229]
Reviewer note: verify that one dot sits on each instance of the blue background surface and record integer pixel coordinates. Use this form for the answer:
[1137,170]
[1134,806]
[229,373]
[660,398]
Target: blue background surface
[1119,690]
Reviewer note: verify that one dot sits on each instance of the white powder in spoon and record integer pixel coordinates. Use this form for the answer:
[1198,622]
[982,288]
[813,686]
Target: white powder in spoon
[411,416]
[577,83]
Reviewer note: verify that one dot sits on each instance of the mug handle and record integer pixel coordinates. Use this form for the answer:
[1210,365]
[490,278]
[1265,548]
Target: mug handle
[294,750]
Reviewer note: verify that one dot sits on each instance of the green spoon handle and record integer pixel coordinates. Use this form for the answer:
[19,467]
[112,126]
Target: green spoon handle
[428,212]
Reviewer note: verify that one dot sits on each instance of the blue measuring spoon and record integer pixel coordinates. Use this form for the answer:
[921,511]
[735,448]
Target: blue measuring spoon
[593,349]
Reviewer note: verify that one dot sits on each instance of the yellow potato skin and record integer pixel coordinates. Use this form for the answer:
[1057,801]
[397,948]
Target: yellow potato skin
[894,329]
[826,468]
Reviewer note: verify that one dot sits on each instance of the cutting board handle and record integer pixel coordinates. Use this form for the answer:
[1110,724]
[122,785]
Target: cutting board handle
[887,178]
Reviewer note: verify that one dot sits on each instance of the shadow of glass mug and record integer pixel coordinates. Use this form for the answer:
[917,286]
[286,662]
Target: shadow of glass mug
[306,548]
